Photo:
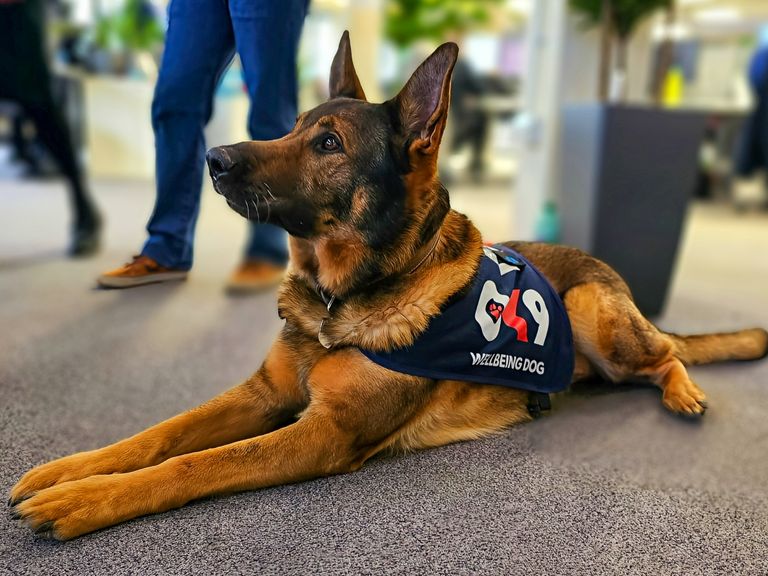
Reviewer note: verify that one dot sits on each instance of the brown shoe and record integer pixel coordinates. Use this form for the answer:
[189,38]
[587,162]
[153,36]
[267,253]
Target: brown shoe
[142,270]
[255,276]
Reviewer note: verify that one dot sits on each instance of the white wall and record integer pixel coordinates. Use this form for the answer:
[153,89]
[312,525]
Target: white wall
[721,78]
[582,63]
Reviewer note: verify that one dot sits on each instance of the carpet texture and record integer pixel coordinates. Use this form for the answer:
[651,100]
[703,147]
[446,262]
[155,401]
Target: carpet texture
[608,483]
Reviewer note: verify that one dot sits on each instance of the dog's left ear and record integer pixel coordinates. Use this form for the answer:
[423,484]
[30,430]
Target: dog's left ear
[344,82]
[423,101]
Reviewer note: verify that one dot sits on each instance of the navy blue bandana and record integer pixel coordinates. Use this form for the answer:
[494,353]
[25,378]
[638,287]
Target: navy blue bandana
[510,329]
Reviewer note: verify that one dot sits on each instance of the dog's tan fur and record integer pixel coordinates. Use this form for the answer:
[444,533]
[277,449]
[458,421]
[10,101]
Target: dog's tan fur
[318,406]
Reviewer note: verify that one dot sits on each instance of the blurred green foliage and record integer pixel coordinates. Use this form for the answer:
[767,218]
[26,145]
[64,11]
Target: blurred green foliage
[409,20]
[133,27]
[627,14]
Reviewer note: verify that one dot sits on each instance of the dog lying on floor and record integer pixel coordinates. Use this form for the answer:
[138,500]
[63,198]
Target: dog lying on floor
[380,267]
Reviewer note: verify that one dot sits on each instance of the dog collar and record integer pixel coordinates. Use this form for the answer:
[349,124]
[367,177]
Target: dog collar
[538,402]
[329,301]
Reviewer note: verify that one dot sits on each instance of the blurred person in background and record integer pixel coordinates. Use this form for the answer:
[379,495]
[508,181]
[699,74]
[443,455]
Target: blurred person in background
[24,151]
[470,121]
[752,162]
[202,38]
[25,80]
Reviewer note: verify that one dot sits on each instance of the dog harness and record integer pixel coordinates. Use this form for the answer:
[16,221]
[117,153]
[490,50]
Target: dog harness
[509,329]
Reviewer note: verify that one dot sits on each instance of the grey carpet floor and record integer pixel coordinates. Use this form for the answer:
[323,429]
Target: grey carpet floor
[608,483]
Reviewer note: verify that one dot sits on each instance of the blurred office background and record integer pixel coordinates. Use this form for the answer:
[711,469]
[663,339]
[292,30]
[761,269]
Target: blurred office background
[637,164]
[538,142]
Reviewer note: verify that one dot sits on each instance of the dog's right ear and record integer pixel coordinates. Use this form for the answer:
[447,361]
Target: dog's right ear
[344,82]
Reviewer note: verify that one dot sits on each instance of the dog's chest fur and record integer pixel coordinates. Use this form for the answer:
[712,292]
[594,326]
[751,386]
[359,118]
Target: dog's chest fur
[389,314]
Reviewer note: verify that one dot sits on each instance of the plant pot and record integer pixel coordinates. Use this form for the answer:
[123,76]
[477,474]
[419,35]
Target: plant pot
[627,176]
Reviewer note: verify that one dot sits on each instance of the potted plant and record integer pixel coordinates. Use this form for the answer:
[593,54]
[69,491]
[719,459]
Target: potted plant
[118,37]
[617,21]
[628,171]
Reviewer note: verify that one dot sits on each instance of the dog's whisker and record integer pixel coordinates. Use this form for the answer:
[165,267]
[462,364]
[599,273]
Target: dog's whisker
[256,207]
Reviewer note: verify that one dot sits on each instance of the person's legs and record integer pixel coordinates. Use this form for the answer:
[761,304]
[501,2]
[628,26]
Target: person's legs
[199,46]
[267,36]
[19,140]
[478,137]
[761,127]
[750,149]
[53,133]
[751,166]
[26,79]
[761,199]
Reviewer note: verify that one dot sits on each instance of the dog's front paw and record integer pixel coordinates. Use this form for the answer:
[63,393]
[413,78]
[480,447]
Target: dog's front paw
[65,469]
[685,398]
[71,509]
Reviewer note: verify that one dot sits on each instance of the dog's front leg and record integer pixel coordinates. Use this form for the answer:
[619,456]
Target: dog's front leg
[353,414]
[267,400]
[306,449]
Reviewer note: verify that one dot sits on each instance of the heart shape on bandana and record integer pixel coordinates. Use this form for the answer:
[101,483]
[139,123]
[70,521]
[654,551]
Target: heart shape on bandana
[494,310]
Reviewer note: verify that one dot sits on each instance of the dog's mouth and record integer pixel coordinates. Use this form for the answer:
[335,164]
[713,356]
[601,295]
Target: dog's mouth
[252,207]
[253,202]
[236,206]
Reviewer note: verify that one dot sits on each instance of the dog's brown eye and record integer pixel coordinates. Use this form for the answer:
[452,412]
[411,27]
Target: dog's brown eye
[330,144]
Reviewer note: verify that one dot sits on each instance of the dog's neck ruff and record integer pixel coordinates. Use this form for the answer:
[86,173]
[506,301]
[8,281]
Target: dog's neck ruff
[418,260]
[412,266]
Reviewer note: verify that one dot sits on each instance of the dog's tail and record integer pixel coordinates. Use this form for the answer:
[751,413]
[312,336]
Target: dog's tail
[749,344]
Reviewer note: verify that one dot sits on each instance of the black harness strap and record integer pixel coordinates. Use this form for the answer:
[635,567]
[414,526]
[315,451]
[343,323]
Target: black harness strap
[538,402]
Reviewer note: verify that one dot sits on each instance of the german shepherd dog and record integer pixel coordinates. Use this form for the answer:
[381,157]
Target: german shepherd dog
[376,253]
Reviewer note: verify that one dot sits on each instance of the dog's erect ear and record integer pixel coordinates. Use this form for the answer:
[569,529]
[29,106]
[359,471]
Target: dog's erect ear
[344,81]
[423,101]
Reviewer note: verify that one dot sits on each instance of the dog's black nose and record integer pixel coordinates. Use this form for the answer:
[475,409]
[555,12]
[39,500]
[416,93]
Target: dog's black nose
[219,162]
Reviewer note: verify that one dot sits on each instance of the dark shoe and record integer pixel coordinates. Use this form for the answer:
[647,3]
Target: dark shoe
[86,237]
[142,270]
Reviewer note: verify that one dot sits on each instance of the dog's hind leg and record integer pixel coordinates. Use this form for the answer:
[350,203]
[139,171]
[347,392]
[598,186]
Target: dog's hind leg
[623,345]
[267,400]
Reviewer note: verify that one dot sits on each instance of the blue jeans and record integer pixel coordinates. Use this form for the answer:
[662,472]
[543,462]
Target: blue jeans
[201,41]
